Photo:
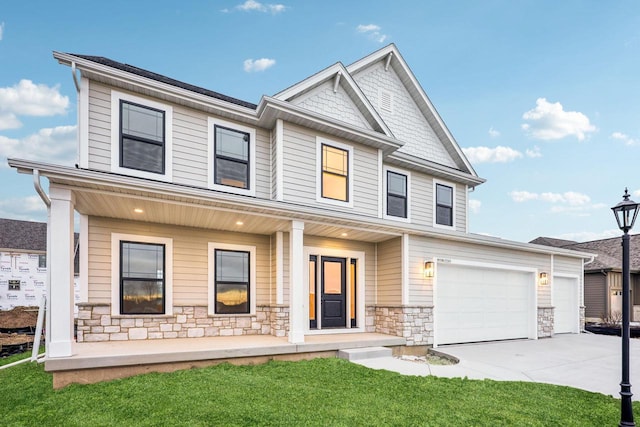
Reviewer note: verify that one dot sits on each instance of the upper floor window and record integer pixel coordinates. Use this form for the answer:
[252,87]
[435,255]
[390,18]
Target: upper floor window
[334,172]
[232,154]
[231,157]
[141,135]
[397,195]
[444,211]
[142,143]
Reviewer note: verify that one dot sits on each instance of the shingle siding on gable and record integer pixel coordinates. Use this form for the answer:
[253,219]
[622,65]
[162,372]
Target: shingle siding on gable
[336,105]
[406,122]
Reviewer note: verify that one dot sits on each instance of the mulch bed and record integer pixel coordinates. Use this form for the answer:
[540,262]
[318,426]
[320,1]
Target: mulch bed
[17,329]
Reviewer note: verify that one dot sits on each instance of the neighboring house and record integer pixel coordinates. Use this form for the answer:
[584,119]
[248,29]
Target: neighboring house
[603,276]
[23,264]
[339,205]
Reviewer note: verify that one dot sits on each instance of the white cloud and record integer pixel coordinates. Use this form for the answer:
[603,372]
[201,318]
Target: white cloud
[549,121]
[372,31]
[570,198]
[491,155]
[258,65]
[475,205]
[1,30]
[533,153]
[29,99]
[30,208]
[53,145]
[624,138]
[9,121]
[254,6]
[493,133]
[587,236]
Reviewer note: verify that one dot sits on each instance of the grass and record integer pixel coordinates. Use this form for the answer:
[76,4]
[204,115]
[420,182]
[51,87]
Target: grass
[318,392]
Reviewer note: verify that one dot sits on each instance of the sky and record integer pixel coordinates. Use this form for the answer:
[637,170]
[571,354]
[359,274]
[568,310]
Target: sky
[543,96]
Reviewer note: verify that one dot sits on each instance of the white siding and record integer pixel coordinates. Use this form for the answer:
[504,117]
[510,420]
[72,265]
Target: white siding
[99,127]
[405,120]
[390,272]
[300,172]
[190,258]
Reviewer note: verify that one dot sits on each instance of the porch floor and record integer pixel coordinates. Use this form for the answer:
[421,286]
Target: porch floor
[109,354]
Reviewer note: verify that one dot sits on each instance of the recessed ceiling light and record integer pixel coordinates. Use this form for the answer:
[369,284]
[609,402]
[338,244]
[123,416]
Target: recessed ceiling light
[344,234]
[239,223]
[138,210]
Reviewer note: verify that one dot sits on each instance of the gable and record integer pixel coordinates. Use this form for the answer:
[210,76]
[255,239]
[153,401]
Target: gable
[392,101]
[338,105]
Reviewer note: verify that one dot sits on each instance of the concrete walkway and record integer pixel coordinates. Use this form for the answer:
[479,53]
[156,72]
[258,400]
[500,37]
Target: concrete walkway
[586,361]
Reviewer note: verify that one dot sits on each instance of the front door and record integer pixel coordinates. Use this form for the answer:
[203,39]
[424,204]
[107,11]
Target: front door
[333,296]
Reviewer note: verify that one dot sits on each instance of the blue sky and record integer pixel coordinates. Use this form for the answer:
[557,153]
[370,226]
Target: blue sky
[543,96]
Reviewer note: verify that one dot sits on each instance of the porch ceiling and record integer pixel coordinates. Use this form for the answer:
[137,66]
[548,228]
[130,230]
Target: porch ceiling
[211,214]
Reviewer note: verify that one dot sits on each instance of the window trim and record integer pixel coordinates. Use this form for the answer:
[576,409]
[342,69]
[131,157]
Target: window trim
[116,98]
[350,172]
[452,185]
[211,152]
[386,169]
[211,297]
[116,239]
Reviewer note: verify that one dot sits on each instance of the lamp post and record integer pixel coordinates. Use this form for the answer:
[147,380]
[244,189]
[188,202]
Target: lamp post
[625,212]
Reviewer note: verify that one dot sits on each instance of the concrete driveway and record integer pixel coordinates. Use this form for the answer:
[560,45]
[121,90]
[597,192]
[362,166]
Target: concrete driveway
[586,361]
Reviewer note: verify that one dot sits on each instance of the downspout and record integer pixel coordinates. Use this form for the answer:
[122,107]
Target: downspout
[75,77]
[47,201]
[78,107]
[39,189]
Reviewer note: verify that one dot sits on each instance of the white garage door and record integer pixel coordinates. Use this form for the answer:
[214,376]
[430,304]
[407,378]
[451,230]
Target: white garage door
[565,300]
[480,304]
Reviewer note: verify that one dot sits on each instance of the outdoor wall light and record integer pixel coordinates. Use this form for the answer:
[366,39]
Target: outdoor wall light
[543,279]
[428,269]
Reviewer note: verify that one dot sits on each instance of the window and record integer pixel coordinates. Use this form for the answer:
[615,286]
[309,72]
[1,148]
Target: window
[396,194]
[232,157]
[142,288]
[42,261]
[444,205]
[141,138]
[141,142]
[232,279]
[335,165]
[141,275]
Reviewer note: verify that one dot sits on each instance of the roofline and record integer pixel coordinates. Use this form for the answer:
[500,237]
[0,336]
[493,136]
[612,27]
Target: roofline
[277,208]
[407,160]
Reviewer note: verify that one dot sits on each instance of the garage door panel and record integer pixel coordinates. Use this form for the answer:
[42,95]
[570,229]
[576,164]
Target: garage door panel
[481,304]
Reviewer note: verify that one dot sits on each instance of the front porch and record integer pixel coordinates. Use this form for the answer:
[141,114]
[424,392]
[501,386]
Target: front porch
[102,361]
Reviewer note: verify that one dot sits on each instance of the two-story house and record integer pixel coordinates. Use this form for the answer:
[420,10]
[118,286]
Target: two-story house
[337,206]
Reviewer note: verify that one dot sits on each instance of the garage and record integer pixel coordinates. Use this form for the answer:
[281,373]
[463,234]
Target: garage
[474,304]
[566,302]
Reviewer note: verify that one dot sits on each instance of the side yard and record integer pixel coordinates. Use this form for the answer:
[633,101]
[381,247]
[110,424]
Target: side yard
[316,392]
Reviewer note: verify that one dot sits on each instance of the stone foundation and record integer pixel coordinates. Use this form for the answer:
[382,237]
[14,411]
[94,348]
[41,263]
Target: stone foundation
[545,322]
[95,323]
[582,318]
[414,323]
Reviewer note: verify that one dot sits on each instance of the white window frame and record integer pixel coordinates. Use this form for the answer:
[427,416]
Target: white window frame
[116,238]
[211,152]
[454,207]
[350,173]
[211,295]
[386,169]
[116,97]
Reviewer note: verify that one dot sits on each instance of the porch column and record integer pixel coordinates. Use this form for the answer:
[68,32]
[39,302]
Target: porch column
[296,281]
[60,264]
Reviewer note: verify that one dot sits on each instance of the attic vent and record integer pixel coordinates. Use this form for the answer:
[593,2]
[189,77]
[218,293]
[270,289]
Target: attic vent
[385,101]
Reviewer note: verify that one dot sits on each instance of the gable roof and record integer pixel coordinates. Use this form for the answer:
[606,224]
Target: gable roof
[341,77]
[23,235]
[391,57]
[608,251]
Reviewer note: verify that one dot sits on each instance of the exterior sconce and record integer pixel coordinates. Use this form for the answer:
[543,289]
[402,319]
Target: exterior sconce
[543,279]
[428,269]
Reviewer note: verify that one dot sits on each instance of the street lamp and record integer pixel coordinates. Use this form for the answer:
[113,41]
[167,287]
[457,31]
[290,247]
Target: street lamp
[625,212]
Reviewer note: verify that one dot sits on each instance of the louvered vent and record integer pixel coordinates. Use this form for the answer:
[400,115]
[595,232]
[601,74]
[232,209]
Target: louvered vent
[385,101]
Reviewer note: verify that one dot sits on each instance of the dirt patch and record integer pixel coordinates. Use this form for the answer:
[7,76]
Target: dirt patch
[19,318]
[15,339]
[431,359]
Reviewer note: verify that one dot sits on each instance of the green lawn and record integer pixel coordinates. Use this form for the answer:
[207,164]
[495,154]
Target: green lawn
[318,392]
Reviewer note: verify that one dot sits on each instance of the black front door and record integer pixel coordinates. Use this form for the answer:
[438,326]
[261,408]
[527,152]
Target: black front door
[334,292]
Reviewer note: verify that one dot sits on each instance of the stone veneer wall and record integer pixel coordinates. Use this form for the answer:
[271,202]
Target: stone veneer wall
[95,323]
[582,318]
[545,322]
[414,323]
